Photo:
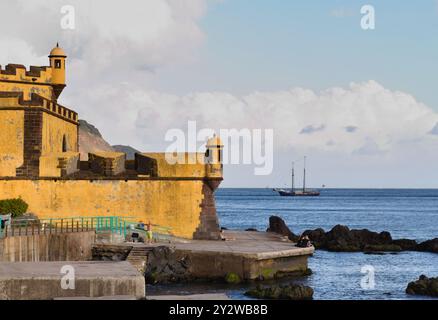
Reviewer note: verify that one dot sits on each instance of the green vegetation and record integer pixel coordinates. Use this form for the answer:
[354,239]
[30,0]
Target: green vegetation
[268,274]
[232,278]
[16,207]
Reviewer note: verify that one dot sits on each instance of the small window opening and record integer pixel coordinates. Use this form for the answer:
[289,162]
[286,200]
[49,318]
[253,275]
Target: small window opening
[58,64]
[64,144]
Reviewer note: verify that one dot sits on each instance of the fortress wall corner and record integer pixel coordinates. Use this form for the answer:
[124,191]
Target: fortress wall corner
[179,204]
[58,134]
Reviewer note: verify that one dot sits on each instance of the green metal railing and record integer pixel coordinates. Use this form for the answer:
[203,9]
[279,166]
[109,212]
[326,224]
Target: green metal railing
[101,224]
[18,227]
[159,233]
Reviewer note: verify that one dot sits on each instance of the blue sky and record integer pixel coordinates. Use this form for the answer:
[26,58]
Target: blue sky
[284,65]
[268,45]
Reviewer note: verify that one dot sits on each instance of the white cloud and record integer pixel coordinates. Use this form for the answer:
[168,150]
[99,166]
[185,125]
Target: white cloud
[388,120]
[112,39]
[118,44]
[118,47]
[393,130]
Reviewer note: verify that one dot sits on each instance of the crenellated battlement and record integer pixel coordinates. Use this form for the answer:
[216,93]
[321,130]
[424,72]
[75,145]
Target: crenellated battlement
[47,81]
[35,74]
[15,100]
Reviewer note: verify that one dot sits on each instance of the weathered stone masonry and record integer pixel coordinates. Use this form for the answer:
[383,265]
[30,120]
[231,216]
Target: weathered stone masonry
[33,129]
[40,162]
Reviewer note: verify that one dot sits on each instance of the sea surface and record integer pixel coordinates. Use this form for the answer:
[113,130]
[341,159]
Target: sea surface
[404,213]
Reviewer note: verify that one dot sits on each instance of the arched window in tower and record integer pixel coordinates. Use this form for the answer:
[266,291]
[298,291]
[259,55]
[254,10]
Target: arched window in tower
[58,64]
[64,144]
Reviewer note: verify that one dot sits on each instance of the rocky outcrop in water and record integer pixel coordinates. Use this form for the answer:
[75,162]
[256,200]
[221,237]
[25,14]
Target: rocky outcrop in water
[406,244]
[343,239]
[164,266]
[284,292]
[428,246]
[424,287]
[277,225]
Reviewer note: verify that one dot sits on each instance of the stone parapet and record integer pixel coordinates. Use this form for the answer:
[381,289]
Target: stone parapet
[107,163]
[59,164]
[16,101]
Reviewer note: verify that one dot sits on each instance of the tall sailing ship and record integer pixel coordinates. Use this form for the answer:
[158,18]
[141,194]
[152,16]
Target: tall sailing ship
[298,192]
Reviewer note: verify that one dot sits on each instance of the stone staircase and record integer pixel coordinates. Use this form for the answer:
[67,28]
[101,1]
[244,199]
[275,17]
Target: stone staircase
[138,257]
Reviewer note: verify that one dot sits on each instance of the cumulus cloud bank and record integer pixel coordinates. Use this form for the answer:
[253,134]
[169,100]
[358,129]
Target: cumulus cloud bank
[112,39]
[118,47]
[301,118]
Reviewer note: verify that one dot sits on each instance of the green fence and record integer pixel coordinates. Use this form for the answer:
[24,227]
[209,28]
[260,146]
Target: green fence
[101,224]
[159,233]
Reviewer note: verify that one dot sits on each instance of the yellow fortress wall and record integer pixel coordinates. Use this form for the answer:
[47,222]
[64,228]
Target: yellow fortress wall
[11,142]
[15,78]
[39,162]
[176,204]
[58,135]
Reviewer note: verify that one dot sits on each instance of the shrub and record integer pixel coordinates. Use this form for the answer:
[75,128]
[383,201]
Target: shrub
[16,207]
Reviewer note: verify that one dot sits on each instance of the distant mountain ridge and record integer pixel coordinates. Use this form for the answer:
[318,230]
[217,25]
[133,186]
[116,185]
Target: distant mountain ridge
[91,140]
[130,151]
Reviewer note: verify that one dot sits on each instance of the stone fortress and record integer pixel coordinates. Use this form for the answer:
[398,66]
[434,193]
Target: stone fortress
[40,162]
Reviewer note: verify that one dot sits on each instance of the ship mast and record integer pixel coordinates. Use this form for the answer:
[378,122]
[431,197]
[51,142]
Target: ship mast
[293,176]
[304,176]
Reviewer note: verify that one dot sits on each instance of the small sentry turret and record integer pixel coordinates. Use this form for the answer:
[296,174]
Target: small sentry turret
[214,150]
[57,59]
[214,157]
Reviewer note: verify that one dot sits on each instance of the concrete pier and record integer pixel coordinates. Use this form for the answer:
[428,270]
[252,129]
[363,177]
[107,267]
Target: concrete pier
[249,255]
[43,280]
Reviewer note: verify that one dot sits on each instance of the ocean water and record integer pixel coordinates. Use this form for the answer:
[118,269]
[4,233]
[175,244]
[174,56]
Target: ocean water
[409,214]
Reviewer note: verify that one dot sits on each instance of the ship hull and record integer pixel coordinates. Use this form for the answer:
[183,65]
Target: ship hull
[299,193]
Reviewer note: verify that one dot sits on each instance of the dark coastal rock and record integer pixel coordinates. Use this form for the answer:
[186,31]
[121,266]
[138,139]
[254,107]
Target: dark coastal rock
[378,248]
[288,292]
[110,253]
[252,230]
[406,244]
[277,225]
[424,286]
[429,246]
[342,239]
[164,266]
[317,236]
